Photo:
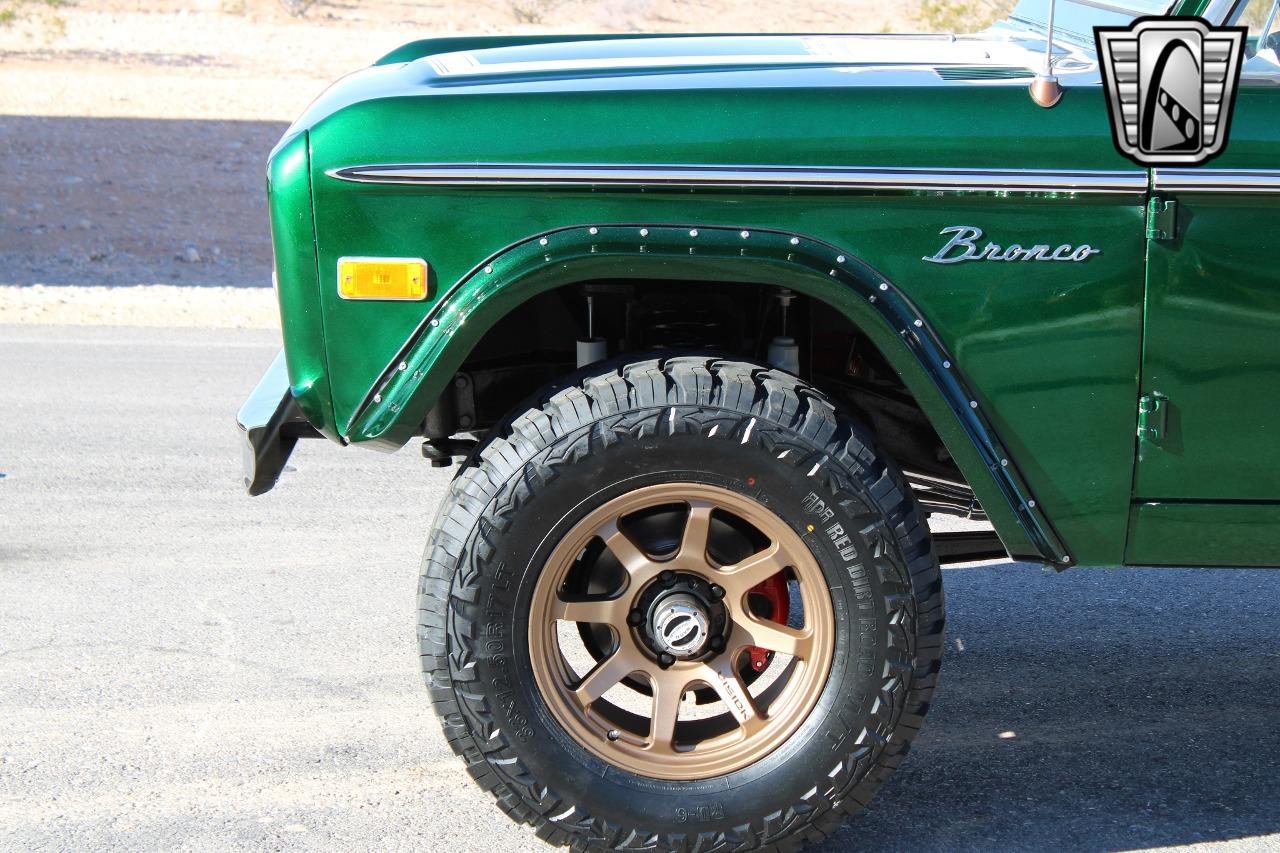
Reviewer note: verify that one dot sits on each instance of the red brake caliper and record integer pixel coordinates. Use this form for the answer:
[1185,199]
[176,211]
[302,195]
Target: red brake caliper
[774,590]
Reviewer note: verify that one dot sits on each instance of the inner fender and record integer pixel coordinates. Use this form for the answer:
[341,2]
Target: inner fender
[394,407]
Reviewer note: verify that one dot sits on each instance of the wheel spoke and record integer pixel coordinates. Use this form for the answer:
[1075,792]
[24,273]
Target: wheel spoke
[600,611]
[774,637]
[697,530]
[668,690]
[607,673]
[739,578]
[722,676]
[636,562]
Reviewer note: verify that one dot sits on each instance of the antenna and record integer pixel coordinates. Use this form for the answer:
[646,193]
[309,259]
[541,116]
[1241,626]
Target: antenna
[1045,89]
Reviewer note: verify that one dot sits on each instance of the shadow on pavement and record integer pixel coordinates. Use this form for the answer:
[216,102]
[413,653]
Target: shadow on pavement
[1143,705]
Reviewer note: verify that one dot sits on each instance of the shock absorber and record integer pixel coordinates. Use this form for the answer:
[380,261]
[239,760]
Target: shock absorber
[593,349]
[784,354]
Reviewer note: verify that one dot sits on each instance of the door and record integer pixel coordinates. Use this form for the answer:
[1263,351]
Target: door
[1207,479]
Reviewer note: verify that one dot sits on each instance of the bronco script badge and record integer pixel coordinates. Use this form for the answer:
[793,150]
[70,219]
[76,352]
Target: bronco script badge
[963,246]
[1171,83]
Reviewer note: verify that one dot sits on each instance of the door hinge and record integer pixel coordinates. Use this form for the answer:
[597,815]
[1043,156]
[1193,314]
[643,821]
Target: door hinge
[1153,417]
[1162,219]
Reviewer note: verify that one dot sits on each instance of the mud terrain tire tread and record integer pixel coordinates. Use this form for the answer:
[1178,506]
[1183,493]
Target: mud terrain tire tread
[639,399]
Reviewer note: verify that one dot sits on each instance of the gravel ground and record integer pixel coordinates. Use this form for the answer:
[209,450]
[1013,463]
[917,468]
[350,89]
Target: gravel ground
[135,133]
[134,201]
[185,668]
[249,59]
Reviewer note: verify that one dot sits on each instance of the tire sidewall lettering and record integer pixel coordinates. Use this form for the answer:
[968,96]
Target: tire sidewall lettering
[501,660]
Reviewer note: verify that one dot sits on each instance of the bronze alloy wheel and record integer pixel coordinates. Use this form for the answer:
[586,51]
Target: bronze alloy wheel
[664,660]
[684,604]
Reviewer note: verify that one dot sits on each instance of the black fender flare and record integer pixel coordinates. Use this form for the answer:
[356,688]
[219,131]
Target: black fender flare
[411,382]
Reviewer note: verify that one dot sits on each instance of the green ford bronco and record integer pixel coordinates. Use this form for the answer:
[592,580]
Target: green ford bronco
[712,325]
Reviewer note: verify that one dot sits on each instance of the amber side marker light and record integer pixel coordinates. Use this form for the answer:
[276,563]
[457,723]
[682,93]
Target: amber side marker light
[382,278]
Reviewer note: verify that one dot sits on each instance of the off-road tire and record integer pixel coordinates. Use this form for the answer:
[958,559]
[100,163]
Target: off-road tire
[750,429]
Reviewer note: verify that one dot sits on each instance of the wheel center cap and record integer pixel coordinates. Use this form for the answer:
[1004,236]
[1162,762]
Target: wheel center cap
[680,626]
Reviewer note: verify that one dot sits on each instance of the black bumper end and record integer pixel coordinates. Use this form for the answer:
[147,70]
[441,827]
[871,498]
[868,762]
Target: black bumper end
[270,424]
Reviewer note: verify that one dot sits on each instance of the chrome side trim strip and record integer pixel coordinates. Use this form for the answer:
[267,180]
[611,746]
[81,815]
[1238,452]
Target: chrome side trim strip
[755,177]
[1217,180]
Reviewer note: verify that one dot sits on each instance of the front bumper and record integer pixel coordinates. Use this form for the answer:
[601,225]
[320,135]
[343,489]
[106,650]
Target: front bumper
[271,424]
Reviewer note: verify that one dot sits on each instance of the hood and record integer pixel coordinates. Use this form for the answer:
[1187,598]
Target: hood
[505,66]
[675,54]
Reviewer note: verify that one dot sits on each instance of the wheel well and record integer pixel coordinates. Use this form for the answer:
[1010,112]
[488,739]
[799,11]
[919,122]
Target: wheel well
[535,345]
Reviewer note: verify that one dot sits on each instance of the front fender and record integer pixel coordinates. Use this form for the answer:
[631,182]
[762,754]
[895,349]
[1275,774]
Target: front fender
[395,406]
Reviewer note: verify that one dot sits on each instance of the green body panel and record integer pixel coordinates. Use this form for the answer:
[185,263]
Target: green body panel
[294,245]
[1204,534]
[1050,354]
[576,254]
[1191,7]
[1212,343]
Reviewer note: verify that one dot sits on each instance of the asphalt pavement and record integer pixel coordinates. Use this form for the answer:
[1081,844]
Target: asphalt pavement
[186,668]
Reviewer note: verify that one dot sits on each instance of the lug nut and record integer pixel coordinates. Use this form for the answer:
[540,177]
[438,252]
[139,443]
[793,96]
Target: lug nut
[717,591]
[634,618]
[665,660]
[667,578]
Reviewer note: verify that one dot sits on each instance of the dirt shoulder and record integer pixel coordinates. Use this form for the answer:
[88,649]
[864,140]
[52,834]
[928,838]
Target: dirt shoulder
[149,305]
[124,201]
[251,60]
[135,132]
